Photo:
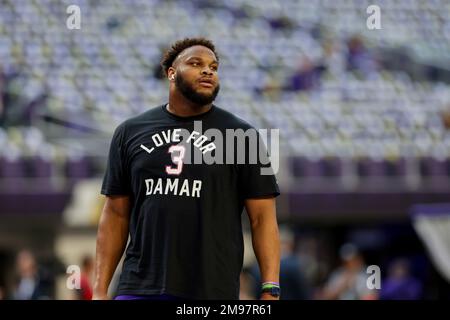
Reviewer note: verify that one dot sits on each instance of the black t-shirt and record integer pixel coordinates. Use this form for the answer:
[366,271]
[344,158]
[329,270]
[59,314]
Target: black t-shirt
[185,224]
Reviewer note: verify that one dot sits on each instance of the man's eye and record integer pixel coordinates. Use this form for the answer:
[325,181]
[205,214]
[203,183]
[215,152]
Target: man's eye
[214,68]
[194,63]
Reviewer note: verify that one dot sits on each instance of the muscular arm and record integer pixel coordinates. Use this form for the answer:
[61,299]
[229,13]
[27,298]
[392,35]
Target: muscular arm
[112,238]
[265,238]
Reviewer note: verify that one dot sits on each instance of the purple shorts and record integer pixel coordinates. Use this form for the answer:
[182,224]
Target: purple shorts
[160,297]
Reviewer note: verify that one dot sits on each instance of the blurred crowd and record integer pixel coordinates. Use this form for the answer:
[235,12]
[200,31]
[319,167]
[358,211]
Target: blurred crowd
[28,279]
[310,270]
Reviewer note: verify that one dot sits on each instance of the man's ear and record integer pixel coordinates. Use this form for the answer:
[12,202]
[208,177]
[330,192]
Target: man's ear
[171,74]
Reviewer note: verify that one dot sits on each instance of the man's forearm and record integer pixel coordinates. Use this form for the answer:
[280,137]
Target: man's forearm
[111,241]
[266,245]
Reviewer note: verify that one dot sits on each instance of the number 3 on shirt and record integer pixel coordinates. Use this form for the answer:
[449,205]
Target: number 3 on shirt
[177,159]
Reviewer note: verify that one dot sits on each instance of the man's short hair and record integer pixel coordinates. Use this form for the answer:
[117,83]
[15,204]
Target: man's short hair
[171,54]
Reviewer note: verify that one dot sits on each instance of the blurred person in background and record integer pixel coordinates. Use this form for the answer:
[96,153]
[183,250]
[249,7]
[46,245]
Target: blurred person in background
[359,57]
[13,100]
[292,275]
[314,268]
[87,269]
[400,283]
[30,285]
[348,282]
[306,77]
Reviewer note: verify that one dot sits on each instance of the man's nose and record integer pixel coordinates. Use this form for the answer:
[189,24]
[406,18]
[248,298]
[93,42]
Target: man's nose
[207,71]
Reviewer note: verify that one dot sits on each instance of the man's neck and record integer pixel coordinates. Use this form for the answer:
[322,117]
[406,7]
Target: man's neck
[182,107]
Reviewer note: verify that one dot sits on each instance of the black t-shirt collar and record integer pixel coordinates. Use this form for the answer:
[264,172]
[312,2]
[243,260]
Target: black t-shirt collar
[189,118]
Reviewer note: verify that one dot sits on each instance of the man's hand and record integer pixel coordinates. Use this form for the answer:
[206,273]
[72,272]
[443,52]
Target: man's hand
[267,296]
[100,297]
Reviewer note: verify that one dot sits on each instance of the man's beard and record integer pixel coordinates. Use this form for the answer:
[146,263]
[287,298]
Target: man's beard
[189,92]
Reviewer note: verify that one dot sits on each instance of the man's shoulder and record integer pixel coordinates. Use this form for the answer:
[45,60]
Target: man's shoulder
[231,120]
[151,114]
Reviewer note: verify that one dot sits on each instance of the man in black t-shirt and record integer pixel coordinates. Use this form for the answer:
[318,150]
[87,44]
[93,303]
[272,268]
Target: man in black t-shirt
[181,210]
